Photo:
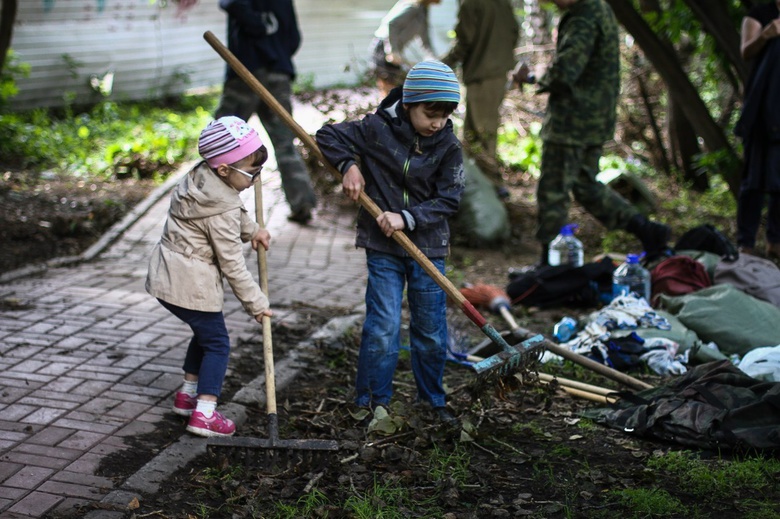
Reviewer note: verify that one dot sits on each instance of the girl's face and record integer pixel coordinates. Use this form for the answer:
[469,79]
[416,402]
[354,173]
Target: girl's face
[245,172]
[425,121]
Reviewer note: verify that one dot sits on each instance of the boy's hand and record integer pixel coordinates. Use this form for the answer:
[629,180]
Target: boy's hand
[353,183]
[267,312]
[263,237]
[390,222]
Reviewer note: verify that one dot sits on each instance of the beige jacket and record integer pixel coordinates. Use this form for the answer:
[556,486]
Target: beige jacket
[202,244]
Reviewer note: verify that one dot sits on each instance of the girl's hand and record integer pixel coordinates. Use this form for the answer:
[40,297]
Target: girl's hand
[353,183]
[390,222]
[265,313]
[263,237]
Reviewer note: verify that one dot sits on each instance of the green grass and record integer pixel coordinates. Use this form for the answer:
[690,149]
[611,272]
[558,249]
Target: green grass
[648,503]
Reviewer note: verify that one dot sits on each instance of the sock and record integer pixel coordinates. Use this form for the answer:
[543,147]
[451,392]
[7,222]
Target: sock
[190,387]
[206,407]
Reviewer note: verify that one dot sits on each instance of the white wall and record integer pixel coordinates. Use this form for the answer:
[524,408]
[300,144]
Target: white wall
[151,48]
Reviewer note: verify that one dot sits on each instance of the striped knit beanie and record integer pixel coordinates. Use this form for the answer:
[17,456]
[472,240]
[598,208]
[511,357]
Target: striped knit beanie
[430,81]
[227,140]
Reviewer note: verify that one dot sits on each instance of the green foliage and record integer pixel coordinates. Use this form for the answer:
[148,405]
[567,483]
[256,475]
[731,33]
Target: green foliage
[452,466]
[139,139]
[523,153]
[707,479]
[379,502]
[307,505]
[649,502]
[12,70]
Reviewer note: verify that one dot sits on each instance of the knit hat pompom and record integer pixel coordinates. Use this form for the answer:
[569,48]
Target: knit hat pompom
[430,81]
[227,140]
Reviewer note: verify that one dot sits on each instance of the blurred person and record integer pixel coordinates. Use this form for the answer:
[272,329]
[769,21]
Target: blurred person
[760,47]
[583,83]
[264,35]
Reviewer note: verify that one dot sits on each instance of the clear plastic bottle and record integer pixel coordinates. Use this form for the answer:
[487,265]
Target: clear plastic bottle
[630,277]
[566,249]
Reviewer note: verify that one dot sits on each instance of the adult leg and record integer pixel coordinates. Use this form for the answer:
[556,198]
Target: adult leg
[611,209]
[773,227]
[428,331]
[237,99]
[380,340]
[559,162]
[750,203]
[483,100]
[296,182]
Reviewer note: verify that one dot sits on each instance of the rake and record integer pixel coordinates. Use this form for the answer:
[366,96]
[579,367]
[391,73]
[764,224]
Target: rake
[277,452]
[511,358]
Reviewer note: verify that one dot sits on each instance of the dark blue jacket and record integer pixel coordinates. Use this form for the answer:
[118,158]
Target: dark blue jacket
[262,34]
[404,171]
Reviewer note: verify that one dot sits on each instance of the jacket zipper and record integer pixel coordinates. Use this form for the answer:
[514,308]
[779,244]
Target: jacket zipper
[415,149]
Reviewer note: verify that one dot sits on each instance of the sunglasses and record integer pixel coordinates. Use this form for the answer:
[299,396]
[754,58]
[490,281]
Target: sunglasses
[254,177]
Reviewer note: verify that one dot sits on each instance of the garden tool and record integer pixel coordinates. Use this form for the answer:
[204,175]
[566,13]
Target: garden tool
[278,452]
[495,299]
[511,358]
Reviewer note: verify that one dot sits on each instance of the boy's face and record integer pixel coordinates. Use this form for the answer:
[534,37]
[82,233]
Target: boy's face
[426,121]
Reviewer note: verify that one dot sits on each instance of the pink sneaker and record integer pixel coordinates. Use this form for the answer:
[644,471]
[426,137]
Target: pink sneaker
[217,425]
[184,404]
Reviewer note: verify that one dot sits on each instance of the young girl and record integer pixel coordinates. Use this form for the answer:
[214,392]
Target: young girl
[411,166]
[201,245]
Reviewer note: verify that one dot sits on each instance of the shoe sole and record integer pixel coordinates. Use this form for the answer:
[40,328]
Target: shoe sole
[182,412]
[206,433]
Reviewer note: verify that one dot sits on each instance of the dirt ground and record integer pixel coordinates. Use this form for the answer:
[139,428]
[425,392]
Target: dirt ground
[518,452]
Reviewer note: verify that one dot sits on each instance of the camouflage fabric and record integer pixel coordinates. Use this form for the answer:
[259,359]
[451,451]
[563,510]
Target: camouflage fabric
[573,169]
[584,77]
[480,125]
[239,100]
[712,406]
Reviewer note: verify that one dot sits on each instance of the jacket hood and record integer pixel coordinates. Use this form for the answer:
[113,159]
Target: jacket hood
[201,193]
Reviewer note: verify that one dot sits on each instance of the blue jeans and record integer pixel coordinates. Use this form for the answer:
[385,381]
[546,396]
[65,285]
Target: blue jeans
[380,342]
[209,349]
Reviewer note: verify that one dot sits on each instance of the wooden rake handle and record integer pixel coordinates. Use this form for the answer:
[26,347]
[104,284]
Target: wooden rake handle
[364,200]
[268,348]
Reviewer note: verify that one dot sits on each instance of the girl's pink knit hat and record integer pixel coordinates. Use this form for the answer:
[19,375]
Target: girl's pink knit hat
[227,140]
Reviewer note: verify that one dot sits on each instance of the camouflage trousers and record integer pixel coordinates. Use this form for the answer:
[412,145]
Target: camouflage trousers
[572,170]
[239,100]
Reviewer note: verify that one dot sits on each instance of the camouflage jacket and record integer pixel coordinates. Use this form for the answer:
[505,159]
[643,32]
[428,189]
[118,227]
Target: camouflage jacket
[584,78]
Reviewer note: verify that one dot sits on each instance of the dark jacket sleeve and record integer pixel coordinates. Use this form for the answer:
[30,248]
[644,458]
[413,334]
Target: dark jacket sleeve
[340,143]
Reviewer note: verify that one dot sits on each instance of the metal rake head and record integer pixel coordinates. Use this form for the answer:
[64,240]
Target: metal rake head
[498,370]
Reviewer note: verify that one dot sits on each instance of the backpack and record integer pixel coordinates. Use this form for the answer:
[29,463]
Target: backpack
[714,405]
[707,238]
[563,285]
[756,276]
[676,276]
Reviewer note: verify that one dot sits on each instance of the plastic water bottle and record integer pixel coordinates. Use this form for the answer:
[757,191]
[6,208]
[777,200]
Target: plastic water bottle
[565,329]
[631,277]
[565,249]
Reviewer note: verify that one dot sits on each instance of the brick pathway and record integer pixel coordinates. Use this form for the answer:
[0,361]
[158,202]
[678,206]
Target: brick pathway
[89,359]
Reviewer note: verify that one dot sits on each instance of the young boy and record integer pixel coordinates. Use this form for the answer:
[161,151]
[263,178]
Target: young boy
[201,245]
[411,166]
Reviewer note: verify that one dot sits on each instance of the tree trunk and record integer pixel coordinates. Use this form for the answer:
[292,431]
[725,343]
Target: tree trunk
[7,18]
[664,59]
[716,21]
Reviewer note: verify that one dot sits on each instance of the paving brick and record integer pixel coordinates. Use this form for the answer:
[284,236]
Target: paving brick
[28,477]
[99,405]
[78,478]
[68,506]
[8,469]
[44,415]
[36,504]
[86,425]
[26,377]
[128,410]
[42,398]
[12,493]
[62,385]
[16,412]
[44,450]
[25,458]
[51,436]
[9,395]
[81,440]
[86,464]
[91,387]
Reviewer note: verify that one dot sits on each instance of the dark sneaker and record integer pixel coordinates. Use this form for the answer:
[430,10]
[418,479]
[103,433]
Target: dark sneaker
[445,416]
[217,425]
[302,216]
[184,404]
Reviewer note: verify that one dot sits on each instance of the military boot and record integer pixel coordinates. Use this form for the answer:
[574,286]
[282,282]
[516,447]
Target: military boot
[653,235]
